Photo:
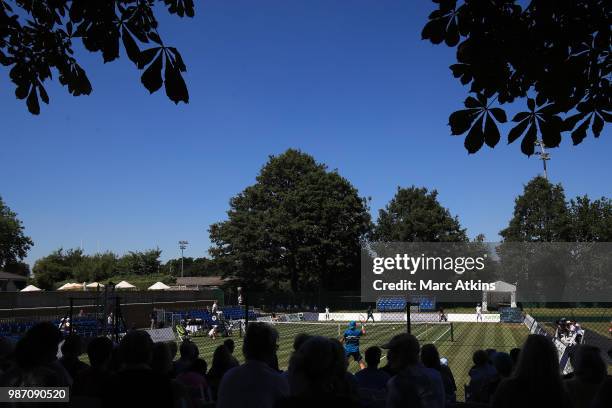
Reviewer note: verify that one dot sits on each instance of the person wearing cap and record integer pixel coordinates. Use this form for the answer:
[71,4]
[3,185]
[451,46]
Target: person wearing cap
[412,386]
[350,339]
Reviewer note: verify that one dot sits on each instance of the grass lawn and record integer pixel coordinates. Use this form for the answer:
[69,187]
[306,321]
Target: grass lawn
[468,337]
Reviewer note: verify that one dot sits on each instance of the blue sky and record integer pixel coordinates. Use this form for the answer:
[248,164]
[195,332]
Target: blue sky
[349,82]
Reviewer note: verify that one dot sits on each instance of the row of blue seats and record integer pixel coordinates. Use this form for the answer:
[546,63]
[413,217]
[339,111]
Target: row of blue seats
[391,304]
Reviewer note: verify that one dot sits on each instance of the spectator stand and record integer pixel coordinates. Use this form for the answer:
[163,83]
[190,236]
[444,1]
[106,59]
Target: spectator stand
[563,349]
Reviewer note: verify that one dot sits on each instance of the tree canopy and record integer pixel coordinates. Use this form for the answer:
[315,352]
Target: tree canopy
[14,244]
[553,55]
[56,267]
[37,38]
[591,219]
[74,265]
[299,224]
[415,215]
[191,267]
[540,214]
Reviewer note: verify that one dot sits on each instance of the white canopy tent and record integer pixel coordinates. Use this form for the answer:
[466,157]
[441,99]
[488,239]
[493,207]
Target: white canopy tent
[501,288]
[71,286]
[94,285]
[159,286]
[124,285]
[31,288]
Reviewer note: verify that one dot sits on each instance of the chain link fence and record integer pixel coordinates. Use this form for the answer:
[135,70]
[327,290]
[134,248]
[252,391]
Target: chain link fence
[457,330]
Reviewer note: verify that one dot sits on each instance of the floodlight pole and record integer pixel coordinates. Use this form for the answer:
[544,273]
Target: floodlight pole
[543,156]
[182,246]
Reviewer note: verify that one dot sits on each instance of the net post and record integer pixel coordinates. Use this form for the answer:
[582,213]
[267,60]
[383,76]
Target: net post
[70,313]
[452,332]
[408,328]
[245,298]
[116,319]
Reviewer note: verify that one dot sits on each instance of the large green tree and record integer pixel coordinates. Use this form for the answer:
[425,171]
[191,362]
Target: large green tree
[39,37]
[192,267]
[540,214]
[532,253]
[591,219]
[298,224]
[415,215]
[56,267]
[552,56]
[96,267]
[140,262]
[14,244]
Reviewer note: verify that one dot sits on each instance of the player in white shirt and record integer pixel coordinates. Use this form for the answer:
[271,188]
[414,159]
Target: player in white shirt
[326,313]
[478,313]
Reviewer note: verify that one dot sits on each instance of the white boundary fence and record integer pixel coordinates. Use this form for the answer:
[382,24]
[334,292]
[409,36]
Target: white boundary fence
[415,317]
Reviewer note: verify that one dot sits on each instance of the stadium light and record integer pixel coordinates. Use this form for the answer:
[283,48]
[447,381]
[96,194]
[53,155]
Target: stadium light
[182,246]
[543,156]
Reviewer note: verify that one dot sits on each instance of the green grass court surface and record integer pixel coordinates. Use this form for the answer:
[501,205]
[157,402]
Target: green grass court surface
[468,337]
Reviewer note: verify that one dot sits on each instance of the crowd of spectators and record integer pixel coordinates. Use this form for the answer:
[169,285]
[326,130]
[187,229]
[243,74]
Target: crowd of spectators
[138,372]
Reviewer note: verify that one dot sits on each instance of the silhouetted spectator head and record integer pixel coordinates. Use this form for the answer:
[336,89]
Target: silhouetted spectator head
[260,342]
[299,340]
[38,346]
[372,356]
[490,354]
[430,357]
[480,358]
[538,366]
[136,347]
[100,351]
[221,362]
[588,364]
[514,355]
[161,360]
[319,366]
[403,350]
[229,343]
[603,398]
[199,366]
[72,346]
[189,351]
[503,364]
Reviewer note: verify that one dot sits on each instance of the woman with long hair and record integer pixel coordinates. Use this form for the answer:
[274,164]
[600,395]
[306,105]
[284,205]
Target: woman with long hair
[536,382]
[221,363]
[431,359]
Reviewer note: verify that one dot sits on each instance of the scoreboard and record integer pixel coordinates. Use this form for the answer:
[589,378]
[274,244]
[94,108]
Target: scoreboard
[511,315]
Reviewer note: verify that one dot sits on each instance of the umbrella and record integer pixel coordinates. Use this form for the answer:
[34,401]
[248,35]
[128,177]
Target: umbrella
[31,288]
[94,285]
[65,286]
[159,286]
[124,285]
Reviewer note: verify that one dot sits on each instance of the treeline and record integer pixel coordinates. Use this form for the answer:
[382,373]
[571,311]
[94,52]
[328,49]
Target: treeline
[300,226]
[73,265]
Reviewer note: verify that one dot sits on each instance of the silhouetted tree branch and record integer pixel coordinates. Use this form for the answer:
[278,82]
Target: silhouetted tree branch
[554,54]
[36,39]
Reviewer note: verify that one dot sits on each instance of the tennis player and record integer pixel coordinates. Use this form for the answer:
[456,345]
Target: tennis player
[350,339]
